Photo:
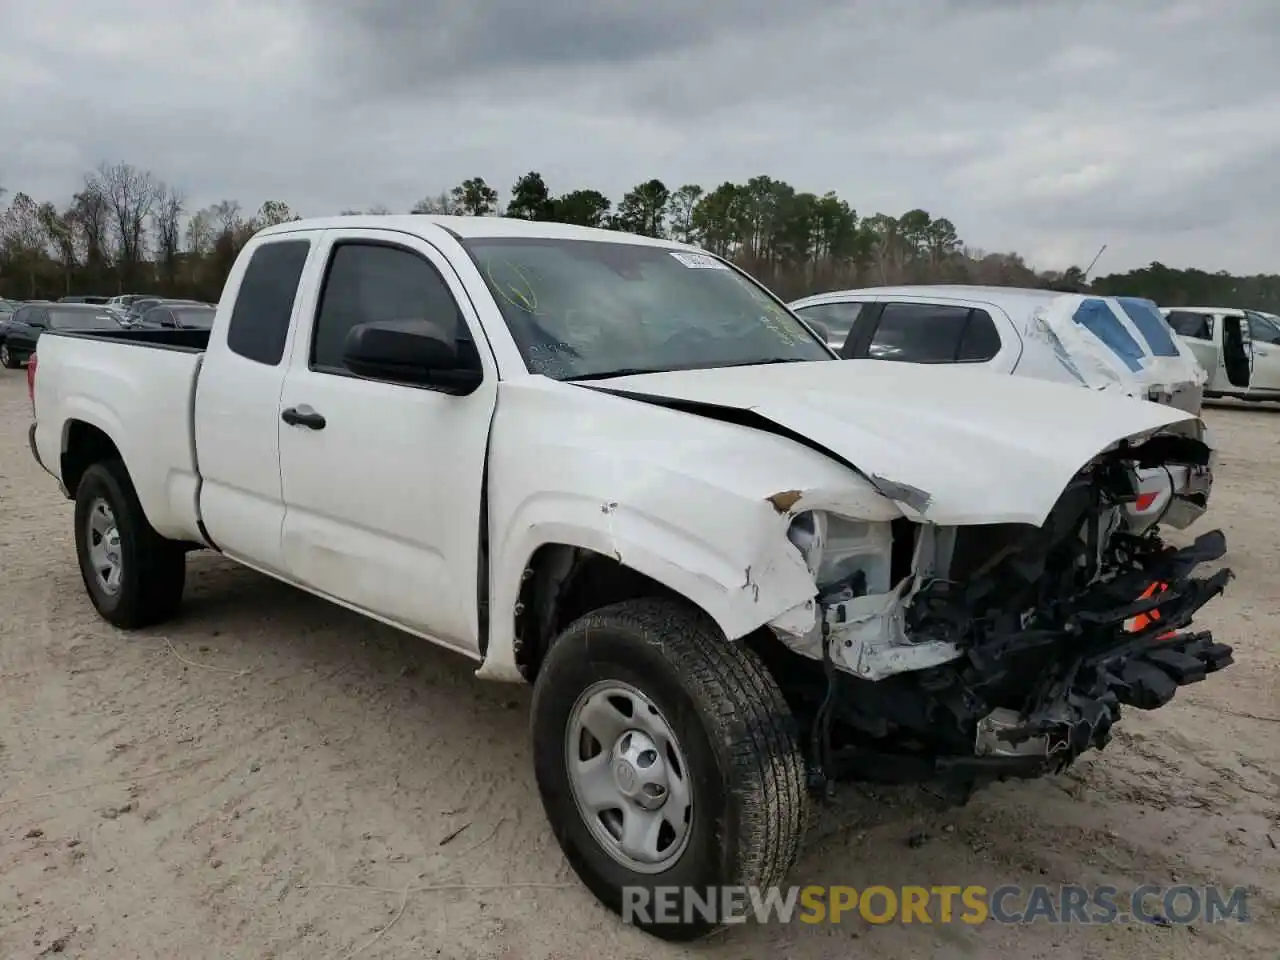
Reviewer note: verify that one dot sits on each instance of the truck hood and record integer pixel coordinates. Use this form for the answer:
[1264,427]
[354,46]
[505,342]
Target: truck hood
[948,446]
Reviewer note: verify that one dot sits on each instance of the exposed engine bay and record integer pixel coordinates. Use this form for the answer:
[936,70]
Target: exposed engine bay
[980,652]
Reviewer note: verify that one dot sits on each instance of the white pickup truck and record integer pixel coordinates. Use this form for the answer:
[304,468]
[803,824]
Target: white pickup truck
[733,568]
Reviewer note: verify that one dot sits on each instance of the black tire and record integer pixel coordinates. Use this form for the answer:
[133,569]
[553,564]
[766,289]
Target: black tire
[8,358]
[738,738]
[153,568]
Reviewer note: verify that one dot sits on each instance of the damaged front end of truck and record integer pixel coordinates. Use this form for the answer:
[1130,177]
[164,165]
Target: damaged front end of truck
[998,650]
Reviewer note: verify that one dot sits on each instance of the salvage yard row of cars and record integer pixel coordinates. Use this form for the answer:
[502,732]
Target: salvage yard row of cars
[620,470]
[21,324]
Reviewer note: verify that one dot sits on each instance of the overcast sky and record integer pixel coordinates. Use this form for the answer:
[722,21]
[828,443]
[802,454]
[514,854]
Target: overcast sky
[1048,127]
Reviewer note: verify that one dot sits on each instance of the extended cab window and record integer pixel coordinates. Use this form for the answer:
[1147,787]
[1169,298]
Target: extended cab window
[934,333]
[1186,323]
[367,283]
[264,303]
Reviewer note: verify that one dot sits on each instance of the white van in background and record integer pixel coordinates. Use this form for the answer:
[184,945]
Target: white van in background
[1240,349]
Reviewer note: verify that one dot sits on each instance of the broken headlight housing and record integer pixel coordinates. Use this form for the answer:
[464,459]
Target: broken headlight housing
[837,549]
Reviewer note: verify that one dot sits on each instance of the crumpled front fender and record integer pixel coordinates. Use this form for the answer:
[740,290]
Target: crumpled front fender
[700,506]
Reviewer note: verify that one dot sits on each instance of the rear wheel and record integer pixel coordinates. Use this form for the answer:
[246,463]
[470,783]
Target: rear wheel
[666,758]
[134,576]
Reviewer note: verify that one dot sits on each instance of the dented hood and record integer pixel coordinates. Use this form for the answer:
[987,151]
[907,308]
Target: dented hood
[949,446]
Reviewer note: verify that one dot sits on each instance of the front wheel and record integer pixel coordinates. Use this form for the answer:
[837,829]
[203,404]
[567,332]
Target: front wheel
[668,765]
[133,575]
[8,359]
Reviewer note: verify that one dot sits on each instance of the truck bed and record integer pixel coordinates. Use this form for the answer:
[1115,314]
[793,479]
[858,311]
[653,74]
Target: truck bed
[142,399]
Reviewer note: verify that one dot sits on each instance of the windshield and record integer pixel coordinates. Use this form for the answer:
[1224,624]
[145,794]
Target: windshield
[579,309]
[81,320]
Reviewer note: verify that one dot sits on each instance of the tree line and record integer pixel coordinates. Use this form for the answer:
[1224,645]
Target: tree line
[128,231]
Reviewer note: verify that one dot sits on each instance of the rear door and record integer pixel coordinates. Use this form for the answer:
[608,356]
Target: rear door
[1195,330]
[237,409]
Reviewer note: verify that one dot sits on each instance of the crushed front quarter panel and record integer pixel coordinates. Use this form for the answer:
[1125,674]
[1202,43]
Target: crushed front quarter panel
[698,505]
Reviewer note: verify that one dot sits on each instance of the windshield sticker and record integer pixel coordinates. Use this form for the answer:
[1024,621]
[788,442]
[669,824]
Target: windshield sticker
[698,261]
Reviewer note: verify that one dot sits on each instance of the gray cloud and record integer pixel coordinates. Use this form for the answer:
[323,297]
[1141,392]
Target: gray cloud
[1048,127]
[405,47]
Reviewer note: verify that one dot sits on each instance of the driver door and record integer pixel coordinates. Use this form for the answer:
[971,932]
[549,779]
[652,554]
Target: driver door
[382,481]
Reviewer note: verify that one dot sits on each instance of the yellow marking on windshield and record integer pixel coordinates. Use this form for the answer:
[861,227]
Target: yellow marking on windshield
[521,294]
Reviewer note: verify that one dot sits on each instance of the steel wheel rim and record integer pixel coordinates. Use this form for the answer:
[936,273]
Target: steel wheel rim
[102,539]
[629,777]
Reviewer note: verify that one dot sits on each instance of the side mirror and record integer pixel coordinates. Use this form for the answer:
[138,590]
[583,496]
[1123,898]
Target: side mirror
[408,351]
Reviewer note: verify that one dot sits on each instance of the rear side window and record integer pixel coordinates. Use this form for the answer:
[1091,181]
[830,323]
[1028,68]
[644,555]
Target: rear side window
[1096,317]
[260,320]
[1153,327]
[934,333]
[1185,323]
[838,318]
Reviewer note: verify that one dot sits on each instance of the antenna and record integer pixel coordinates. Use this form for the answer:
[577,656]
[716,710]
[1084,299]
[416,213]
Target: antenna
[1089,269]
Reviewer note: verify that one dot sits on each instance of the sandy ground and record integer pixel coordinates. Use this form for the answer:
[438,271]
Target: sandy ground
[267,776]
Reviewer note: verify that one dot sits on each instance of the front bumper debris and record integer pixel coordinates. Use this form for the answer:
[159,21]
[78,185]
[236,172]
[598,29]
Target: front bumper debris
[1029,702]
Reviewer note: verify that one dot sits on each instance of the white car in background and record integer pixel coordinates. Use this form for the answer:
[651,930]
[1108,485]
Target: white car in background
[1120,344]
[1240,349]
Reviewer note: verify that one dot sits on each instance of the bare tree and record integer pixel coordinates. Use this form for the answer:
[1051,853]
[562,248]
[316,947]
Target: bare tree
[22,237]
[61,235]
[200,233]
[166,221]
[130,195]
[93,219]
[226,214]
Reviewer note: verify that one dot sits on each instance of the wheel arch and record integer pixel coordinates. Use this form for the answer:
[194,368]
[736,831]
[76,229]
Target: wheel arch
[84,443]
[574,570]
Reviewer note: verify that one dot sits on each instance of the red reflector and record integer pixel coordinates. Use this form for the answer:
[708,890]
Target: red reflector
[1144,501]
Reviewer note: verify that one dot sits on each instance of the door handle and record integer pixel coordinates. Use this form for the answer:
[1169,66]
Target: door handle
[302,416]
